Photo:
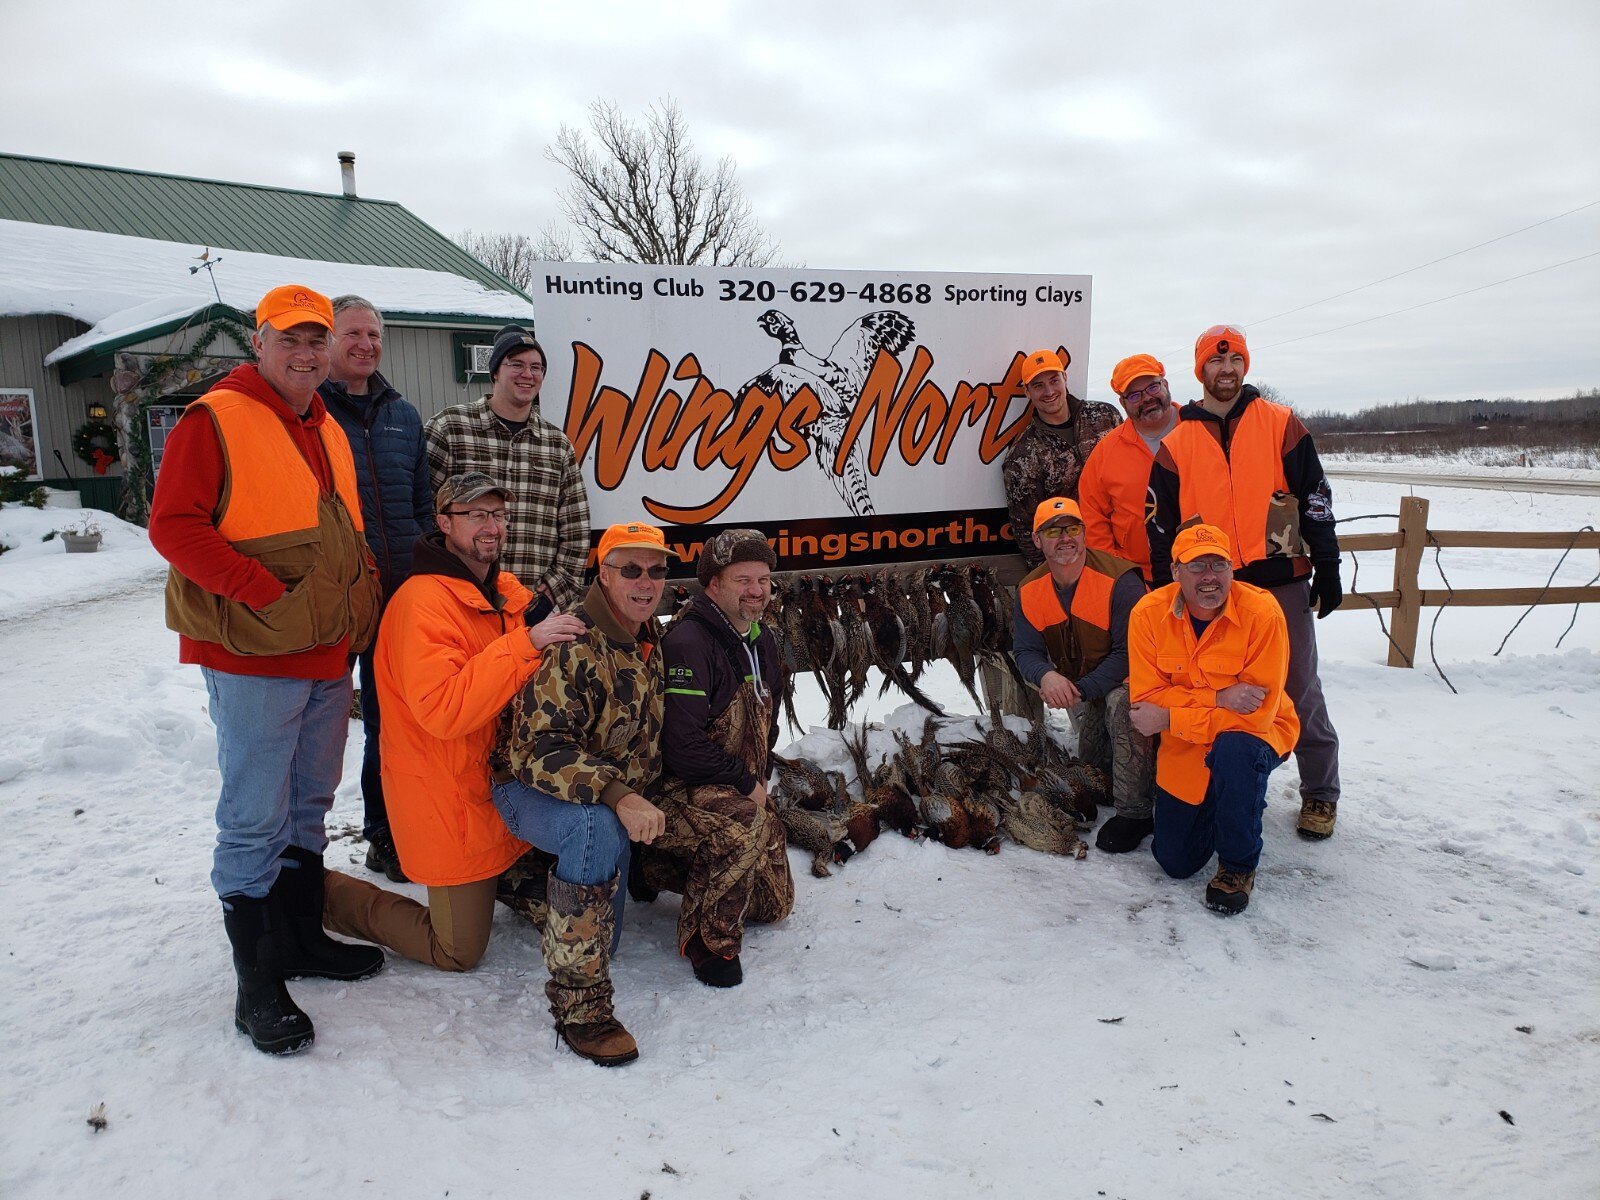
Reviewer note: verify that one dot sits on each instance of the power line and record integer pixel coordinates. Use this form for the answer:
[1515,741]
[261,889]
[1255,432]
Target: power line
[1409,270]
[1412,307]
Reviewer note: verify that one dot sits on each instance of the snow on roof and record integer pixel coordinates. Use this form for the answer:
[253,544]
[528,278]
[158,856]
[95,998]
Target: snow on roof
[121,285]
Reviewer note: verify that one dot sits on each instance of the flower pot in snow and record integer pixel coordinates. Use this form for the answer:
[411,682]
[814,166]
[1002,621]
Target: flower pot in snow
[81,543]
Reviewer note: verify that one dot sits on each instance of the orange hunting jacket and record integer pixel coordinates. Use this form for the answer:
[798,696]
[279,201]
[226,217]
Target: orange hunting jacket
[448,663]
[1114,495]
[1167,665]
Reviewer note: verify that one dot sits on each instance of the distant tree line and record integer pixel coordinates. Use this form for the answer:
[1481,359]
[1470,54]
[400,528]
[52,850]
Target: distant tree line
[1445,414]
[1504,431]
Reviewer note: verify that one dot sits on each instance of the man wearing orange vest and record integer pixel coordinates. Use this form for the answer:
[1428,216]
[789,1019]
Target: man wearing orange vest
[1114,489]
[1071,642]
[271,588]
[1249,467]
[453,650]
[1046,459]
[1207,661]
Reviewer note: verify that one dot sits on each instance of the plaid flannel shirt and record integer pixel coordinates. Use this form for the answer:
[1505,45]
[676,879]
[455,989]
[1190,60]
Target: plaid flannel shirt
[548,539]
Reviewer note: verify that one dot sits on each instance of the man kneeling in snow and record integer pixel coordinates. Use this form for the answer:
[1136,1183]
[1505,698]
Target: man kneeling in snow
[583,755]
[1208,657]
[723,847]
[454,648]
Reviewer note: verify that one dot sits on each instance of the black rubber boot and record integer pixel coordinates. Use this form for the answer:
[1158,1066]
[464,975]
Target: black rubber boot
[712,969]
[1122,834]
[308,951]
[263,1008]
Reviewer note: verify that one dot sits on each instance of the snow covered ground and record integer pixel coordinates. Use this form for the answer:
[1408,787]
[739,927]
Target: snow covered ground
[1409,1009]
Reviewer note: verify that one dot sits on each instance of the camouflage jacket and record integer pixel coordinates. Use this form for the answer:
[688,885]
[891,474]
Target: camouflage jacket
[1046,461]
[587,726]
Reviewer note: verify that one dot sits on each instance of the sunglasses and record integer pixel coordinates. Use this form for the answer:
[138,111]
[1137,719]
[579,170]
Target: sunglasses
[634,570]
[1051,532]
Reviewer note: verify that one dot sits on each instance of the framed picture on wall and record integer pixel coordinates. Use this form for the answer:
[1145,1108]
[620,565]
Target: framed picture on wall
[19,443]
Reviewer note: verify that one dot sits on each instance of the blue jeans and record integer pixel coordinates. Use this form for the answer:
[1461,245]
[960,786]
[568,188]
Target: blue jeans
[590,844]
[1228,821]
[280,748]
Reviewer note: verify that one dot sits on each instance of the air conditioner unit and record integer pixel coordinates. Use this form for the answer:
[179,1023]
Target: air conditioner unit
[478,359]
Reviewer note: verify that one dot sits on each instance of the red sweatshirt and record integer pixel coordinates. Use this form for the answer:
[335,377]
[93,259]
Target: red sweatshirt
[183,529]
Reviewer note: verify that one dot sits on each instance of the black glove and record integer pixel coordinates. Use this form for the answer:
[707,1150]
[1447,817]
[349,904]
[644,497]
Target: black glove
[1326,590]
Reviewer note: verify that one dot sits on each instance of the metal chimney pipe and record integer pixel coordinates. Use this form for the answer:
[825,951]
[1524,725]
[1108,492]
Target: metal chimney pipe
[347,173]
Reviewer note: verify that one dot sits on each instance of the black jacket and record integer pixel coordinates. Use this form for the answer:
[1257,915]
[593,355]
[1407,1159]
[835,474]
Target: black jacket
[385,432]
[706,661]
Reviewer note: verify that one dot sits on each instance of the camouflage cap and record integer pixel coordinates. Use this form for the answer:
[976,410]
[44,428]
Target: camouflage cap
[733,546]
[462,489]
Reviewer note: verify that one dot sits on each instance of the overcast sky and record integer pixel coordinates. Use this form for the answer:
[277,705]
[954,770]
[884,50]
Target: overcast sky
[1204,162]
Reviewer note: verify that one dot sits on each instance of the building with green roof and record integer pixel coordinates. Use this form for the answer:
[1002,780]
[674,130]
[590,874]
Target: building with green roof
[112,272]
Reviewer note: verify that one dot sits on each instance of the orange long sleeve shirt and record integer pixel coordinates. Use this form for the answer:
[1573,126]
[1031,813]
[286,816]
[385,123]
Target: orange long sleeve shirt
[1114,496]
[1248,642]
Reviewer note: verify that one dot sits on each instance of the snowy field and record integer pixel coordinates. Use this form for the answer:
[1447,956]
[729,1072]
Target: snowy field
[1411,1009]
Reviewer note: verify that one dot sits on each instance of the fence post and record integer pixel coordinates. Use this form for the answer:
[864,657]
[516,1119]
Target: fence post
[1408,596]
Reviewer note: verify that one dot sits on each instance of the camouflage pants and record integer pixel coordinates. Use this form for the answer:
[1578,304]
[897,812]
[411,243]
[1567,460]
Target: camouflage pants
[726,857]
[1108,740]
[577,950]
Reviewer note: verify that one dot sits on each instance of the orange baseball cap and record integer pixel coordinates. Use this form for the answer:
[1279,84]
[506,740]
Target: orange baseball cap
[1136,366]
[1219,339]
[294,304]
[631,535]
[1199,540]
[1038,363]
[1057,508]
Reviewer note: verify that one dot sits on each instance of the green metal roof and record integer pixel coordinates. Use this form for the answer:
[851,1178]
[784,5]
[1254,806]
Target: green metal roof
[241,216]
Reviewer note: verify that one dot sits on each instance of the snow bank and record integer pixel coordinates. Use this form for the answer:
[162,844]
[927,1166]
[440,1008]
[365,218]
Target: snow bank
[37,573]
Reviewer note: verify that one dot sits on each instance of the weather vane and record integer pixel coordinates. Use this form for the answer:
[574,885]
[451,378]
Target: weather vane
[206,265]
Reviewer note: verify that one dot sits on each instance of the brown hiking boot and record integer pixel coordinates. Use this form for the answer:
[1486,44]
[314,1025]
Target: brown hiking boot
[1229,891]
[1316,819]
[605,1043]
[577,949]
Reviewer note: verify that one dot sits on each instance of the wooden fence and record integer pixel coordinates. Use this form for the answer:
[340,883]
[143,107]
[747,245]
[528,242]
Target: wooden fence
[1407,598]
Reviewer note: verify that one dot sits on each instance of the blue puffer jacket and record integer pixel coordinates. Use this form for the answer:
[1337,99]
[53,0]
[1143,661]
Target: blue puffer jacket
[385,432]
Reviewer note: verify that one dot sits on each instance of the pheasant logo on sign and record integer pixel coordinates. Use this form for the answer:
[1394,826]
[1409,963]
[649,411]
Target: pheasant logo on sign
[836,381]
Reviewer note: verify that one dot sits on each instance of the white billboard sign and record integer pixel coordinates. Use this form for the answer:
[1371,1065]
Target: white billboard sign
[854,416]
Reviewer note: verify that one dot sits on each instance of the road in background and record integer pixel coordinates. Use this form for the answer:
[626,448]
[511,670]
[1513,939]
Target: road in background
[1564,487]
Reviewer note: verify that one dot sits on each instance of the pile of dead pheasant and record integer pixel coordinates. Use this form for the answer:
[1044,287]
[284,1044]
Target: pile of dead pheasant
[898,619]
[963,793]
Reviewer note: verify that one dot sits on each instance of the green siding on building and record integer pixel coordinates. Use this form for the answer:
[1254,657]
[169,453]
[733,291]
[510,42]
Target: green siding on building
[265,220]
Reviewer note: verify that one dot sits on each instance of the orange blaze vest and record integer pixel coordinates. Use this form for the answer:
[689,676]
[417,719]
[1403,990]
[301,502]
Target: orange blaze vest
[1243,493]
[272,510]
[1080,640]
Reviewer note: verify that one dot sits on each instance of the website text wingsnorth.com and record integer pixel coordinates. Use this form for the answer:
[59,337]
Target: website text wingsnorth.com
[815,543]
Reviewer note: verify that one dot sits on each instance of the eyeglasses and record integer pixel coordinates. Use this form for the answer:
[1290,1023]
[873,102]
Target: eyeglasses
[1051,532]
[481,516]
[1205,566]
[1224,331]
[634,570]
[1152,389]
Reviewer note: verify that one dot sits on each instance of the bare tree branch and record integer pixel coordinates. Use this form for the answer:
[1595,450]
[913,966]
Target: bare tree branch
[640,194]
